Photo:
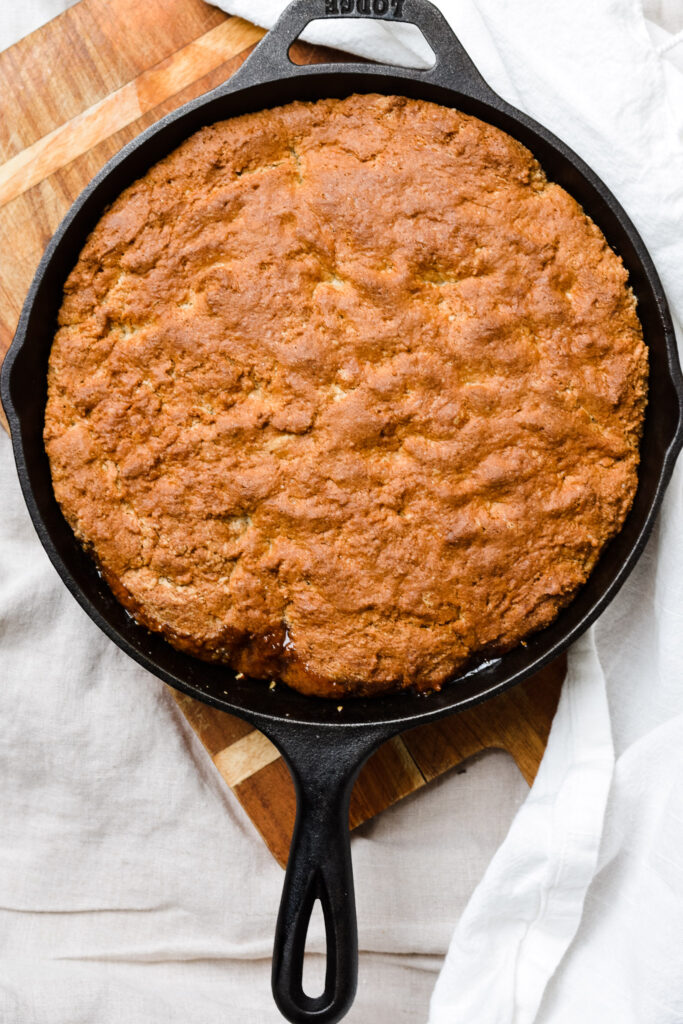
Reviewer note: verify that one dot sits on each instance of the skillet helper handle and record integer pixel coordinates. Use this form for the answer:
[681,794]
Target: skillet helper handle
[324,764]
[452,66]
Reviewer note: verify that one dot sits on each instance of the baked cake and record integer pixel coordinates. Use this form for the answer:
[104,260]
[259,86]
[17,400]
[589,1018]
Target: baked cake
[346,392]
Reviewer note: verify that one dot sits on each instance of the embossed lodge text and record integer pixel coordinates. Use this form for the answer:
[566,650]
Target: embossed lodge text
[378,7]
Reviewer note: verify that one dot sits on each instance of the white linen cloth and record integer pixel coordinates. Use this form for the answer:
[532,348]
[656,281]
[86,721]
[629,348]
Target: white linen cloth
[19,17]
[132,887]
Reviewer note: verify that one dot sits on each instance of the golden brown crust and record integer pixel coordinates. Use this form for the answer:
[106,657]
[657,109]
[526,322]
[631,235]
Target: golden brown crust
[344,392]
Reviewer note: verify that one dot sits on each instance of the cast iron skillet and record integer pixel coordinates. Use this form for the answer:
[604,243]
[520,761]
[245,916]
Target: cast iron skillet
[323,747]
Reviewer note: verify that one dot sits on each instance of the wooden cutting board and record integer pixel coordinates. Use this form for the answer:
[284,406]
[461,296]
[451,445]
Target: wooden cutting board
[72,94]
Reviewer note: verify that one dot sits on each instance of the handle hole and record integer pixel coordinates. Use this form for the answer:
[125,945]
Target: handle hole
[409,48]
[314,969]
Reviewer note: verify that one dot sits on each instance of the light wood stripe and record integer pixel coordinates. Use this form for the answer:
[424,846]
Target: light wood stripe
[417,779]
[250,753]
[245,757]
[127,104]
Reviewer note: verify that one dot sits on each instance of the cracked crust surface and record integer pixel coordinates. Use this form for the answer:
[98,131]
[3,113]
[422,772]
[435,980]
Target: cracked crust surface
[344,392]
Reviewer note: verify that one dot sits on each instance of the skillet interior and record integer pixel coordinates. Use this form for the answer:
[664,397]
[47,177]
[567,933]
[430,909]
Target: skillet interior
[24,396]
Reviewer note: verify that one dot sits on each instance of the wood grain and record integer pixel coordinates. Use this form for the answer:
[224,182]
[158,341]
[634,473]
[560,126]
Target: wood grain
[121,108]
[517,721]
[71,95]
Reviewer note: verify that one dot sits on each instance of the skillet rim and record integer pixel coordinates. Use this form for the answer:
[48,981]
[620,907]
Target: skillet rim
[394,711]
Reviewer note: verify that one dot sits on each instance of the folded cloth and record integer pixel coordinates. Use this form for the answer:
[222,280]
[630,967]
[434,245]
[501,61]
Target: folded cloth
[580,914]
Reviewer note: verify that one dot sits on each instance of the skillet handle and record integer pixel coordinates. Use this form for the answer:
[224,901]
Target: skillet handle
[452,68]
[324,763]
